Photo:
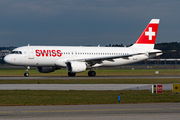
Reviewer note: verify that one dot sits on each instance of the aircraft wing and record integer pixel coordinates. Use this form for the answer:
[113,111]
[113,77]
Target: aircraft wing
[106,58]
[98,59]
[121,56]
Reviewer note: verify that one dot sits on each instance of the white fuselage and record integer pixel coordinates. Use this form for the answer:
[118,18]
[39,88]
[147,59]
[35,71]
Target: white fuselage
[58,55]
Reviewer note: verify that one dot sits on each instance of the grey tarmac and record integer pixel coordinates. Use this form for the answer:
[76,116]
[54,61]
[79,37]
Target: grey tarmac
[148,111]
[81,86]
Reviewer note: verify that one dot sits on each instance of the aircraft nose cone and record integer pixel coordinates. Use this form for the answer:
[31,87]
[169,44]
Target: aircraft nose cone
[7,59]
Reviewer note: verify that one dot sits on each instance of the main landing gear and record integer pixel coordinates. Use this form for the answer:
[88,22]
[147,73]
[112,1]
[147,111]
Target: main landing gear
[26,74]
[71,74]
[91,73]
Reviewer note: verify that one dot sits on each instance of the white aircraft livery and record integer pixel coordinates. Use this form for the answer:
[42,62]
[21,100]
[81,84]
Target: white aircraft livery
[78,59]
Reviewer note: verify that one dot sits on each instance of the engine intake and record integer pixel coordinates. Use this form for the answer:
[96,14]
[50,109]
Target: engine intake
[75,67]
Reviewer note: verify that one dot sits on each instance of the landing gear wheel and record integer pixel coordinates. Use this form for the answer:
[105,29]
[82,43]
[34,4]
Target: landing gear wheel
[91,73]
[26,74]
[71,74]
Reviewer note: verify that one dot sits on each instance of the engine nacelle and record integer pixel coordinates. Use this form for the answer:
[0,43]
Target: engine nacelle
[46,69]
[75,67]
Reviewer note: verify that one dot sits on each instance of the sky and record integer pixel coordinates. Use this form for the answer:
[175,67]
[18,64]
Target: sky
[85,22]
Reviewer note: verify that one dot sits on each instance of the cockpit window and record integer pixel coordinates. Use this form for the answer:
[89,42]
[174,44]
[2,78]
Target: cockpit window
[16,52]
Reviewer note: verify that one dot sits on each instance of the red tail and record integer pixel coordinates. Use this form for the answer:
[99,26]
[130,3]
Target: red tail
[148,36]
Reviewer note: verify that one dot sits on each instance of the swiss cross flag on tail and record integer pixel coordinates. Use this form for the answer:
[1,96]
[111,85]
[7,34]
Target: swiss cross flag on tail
[148,36]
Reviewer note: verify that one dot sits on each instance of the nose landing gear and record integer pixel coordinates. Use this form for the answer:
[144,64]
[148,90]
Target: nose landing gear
[26,74]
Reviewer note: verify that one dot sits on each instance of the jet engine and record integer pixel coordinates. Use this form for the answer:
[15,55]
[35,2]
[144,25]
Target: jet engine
[46,69]
[75,67]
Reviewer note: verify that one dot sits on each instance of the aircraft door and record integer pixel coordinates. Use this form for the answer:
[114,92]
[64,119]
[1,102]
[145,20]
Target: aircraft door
[30,53]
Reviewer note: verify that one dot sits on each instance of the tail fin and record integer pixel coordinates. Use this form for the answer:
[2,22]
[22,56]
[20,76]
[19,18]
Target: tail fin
[148,37]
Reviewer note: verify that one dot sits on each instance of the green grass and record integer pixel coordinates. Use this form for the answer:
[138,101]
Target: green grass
[33,97]
[94,81]
[100,72]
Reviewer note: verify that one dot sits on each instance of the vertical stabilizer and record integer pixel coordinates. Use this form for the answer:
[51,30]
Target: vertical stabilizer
[148,37]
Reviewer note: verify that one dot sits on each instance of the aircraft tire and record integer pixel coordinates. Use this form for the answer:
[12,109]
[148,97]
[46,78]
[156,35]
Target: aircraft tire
[91,73]
[26,74]
[71,74]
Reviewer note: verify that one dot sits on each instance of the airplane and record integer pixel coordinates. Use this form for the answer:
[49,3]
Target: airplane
[77,59]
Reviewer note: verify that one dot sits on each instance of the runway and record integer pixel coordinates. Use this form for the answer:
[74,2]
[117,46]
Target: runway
[97,77]
[148,111]
[80,86]
[83,86]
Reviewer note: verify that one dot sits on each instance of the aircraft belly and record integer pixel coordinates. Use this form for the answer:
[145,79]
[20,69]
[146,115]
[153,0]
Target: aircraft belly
[37,62]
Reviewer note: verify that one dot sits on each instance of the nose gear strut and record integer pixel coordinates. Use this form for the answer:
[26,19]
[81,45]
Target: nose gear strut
[26,74]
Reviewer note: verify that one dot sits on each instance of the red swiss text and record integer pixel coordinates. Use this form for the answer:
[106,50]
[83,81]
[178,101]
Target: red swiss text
[50,53]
